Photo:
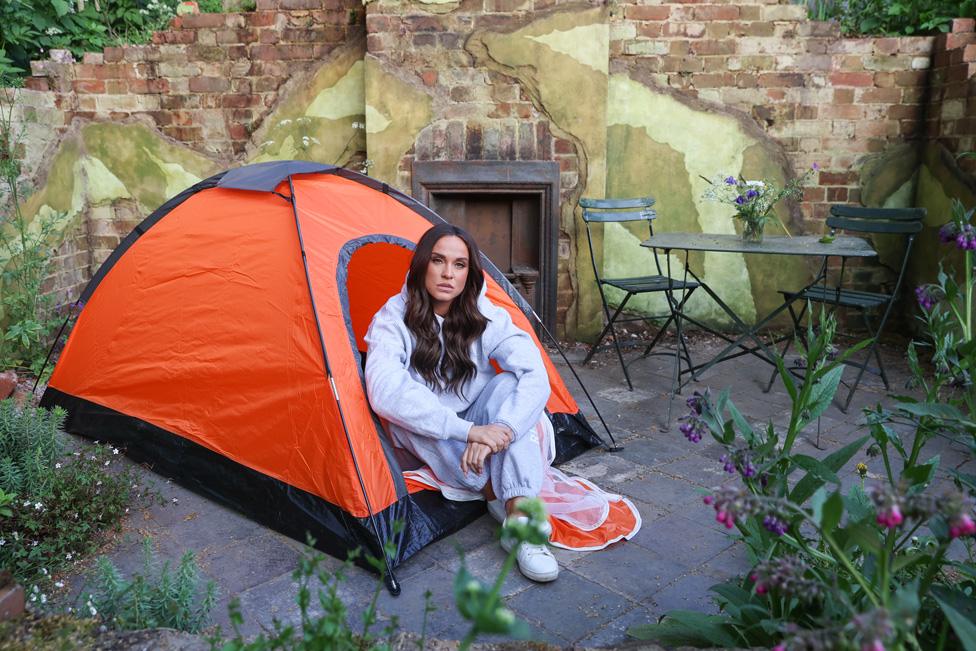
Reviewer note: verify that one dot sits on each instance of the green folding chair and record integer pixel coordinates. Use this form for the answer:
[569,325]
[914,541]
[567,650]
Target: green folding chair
[855,220]
[677,292]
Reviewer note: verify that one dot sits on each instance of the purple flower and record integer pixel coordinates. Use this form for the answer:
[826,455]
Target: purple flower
[927,296]
[740,200]
[815,167]
[729,466]
[774,525]
[948,232]
[751,194]
[696,403]
[693,429]
[730,180]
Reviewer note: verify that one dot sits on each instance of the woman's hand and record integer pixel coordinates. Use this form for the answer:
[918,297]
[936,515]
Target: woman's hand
[474,457]
[496,437]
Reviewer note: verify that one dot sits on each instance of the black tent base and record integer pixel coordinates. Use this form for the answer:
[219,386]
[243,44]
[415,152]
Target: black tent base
[425,516]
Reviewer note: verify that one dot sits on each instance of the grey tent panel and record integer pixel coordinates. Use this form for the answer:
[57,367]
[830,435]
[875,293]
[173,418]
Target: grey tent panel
[265,177]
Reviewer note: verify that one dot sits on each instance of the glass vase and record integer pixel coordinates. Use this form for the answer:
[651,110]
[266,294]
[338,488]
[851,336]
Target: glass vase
[752,231]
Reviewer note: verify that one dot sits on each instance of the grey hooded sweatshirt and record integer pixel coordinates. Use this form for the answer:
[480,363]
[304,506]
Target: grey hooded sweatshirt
[399,394]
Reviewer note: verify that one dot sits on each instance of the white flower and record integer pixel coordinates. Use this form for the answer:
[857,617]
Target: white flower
[98,483]
[756,184]
[38,506]
[91,609]
[107,461]
[115,450]
[53,31]
[3,541]
[44,571]
[26,504]
[43,598]
[175,500]
[68,556]
[284,123]
[57,466]
[59,584]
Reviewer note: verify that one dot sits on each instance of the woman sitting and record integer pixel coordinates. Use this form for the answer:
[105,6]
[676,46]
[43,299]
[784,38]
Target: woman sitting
[429,374]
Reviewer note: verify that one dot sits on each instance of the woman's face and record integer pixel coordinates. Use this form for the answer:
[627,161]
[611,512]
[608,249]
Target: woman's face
[447,272]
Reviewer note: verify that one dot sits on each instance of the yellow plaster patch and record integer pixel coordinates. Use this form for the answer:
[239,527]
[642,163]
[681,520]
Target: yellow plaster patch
[588,44]
[176,177]
[375,121]
[344,99]
[103,186]
[712,144]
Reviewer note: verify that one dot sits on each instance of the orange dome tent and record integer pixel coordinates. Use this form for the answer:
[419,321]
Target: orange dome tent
[222,342]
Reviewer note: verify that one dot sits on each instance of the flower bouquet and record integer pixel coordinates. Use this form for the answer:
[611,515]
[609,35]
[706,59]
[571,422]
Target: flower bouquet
[753,201]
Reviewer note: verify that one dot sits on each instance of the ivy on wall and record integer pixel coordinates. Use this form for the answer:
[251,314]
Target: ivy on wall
[892,17]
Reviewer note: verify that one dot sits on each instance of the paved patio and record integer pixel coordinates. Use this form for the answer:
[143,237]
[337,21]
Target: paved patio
[677,555]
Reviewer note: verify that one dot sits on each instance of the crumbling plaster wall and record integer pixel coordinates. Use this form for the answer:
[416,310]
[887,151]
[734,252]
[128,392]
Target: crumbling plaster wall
[629,98]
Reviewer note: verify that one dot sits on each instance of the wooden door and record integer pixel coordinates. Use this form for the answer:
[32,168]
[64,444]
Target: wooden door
[508,228]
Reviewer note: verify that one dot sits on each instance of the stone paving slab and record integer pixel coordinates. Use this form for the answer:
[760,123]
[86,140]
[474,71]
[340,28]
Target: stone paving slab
[678,554]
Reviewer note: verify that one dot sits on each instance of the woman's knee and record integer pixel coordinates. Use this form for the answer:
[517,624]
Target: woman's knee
[503,383]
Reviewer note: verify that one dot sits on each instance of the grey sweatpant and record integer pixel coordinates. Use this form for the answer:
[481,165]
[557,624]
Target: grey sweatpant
[514,472]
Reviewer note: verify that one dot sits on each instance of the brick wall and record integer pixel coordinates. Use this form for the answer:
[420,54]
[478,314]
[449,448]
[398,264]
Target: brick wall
[828,100]
[950,117]
[208,80]
[478,114]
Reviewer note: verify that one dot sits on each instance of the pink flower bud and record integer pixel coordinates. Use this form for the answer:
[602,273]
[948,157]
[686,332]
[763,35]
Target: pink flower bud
[896,517]
[760,588]
[779,647]
[720,516]
[708,499]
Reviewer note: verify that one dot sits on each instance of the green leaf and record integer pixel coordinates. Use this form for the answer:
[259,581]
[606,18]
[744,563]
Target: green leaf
[922,474]
[742,424]
[835,461]
[687,628]
[833,510]
[823,392]
[864,536]
[960,610]
[816,468]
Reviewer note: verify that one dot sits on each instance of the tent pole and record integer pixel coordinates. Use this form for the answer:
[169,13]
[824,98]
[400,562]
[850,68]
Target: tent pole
[390,579]
[50,351]
[610,448]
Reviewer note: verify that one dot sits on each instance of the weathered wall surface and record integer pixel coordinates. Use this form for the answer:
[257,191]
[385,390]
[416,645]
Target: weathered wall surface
[111,138]
[629,98]
[950,129]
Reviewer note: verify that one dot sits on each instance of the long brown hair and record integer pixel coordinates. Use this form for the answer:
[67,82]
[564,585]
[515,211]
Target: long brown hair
[463,324]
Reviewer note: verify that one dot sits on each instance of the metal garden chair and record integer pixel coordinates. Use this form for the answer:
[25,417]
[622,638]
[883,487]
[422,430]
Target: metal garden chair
[896,221]
[631,210]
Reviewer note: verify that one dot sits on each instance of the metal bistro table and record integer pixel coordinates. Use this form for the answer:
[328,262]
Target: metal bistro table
[806,245]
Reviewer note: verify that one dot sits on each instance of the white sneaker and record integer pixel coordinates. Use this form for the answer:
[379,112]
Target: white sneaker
[535,562]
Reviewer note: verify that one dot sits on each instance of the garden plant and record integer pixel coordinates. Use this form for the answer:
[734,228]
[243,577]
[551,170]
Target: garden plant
[884,563]
[332,629]
[895,17]
[57,502]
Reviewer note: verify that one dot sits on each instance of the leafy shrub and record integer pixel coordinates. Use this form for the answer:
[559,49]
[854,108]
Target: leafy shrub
[892,16]
[33,27]
[62,502]
[155,598]
[30,444]
[834,569]
[28,318]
